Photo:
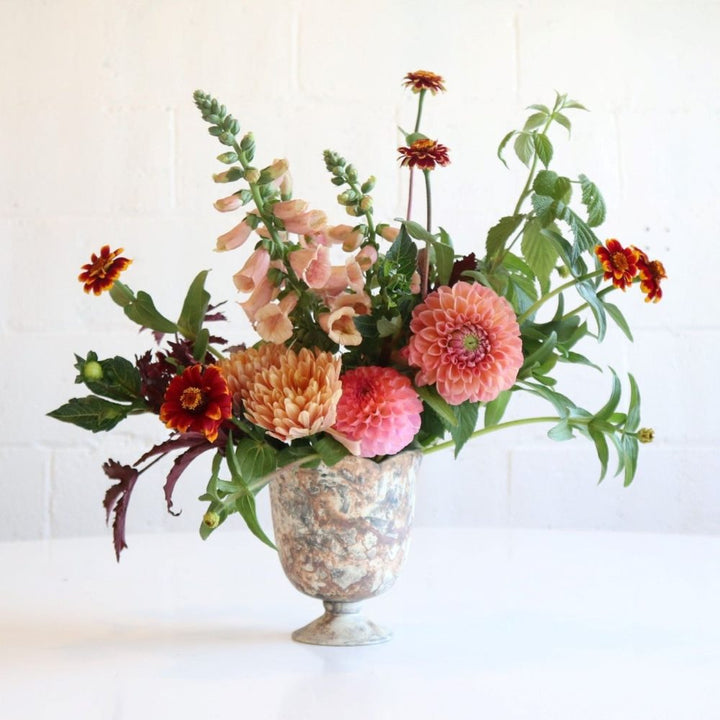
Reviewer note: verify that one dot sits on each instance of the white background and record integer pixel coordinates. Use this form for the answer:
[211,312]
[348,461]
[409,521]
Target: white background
[100,143]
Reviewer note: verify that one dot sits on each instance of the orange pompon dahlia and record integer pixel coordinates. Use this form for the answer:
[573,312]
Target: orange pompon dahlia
[466,340]
[425,154]
[620,264]
[103,270]
[424,80]
[290,394]
[197,401]
[379,408]
[651,273]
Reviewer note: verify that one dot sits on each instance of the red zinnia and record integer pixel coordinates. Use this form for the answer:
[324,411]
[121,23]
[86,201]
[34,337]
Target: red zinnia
[425,154]
[651,273]
[103,270]
[197,401]
[424,80]
[619,263]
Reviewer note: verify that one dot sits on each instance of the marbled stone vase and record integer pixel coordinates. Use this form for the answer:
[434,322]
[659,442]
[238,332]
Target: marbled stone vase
[342,533]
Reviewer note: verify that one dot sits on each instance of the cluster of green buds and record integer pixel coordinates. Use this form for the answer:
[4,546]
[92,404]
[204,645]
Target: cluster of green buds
[355,199]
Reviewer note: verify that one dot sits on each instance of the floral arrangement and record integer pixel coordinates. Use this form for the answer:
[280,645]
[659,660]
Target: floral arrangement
[375,337]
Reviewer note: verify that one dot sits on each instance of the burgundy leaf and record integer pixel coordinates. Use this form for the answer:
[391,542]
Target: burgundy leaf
[117,498]
[468,262]
[185,440]
[179,465]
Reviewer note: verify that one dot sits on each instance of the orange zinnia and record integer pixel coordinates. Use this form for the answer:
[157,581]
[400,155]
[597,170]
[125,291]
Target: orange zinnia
[620,264]
[103,270]
[197,401]
[424,80]
[425,154]
[651,273]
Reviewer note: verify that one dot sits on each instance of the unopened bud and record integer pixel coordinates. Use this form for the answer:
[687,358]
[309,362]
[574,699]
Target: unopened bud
[368,185]
[252,175]
[366,203]
[92,371]
[211,519]
[646,435]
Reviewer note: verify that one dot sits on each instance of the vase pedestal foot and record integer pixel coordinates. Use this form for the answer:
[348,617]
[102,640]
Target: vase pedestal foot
[342,624]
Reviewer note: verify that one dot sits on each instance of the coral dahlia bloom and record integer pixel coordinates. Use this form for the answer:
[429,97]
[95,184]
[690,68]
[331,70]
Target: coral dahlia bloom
[291,395]
[620,264]
[380,408]
[466,340]
[424,80]
[425,154]
[197,401]
[651,273]
[103,270]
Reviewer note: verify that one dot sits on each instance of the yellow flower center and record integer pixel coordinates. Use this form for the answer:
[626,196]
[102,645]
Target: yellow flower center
[191,398]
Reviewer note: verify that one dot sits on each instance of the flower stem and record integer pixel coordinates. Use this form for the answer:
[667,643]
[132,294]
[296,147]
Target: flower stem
[582,307]
[559,289]
[421,100]
[492,428]
[410,194]
[426,263]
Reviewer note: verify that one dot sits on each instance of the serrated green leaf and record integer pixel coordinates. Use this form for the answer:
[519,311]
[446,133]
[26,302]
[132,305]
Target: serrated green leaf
[495,409]
[535,121]
[539,253]
[593,201]
[544,207]
[142,311]
[543,148]
[441,407]
[402,254]
[544,183]
[120,379]
[524,146]
[92,413]
[500,233]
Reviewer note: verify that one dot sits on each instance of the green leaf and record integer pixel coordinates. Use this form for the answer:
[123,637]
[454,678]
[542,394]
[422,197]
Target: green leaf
[544,183]
[142,311]
[92,413]
[418,231]
[539,253]
[200,345]
[609,408]
[539,356]
[535,121]
[588,293]
[560,432]
[524,146]
[467,415]
[120,379]
[444,257]
[502,145]
[500,233]
[561,119]
[601,447]
[630,452]
[633,417]
[614,312]
[544,207]
[585,238]
[255,459]
[573,104]
[495,409]
[593,201]
[444,410]
[245,505]
[562,404]
[543,148]
[194,307]
[329,449]
[403,253]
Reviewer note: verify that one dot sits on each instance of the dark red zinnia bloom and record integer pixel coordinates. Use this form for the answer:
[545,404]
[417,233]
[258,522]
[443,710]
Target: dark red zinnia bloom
[425,154]
[103,270]
[620,264]
[197,401]
[424,80]
[651,273]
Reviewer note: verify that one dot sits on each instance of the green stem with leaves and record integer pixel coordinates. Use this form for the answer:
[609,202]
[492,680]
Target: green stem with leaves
[559,289]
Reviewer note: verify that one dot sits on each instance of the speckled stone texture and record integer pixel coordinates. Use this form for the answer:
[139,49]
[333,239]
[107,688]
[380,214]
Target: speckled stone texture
[343,532]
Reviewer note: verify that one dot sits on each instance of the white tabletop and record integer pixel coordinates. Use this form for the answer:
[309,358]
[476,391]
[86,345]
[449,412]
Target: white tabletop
[488,624]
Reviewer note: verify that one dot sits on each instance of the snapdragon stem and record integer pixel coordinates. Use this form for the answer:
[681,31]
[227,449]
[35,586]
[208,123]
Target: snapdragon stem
[499,426]
[559,289]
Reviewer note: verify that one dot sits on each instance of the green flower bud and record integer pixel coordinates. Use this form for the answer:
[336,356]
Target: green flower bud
[563,272]
[351,173]
[92,371]
[228,158]
[366,203]
[368,185]
[211,519]
[247,142]
[353,211]
[227,138]
[252,175]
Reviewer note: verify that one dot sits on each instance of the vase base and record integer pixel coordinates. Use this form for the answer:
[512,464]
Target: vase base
[342,624]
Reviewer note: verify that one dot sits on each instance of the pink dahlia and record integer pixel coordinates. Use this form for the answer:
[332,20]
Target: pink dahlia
[466,340]
[379,408]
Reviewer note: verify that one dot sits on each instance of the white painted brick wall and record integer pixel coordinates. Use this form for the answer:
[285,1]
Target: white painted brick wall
[100,143]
